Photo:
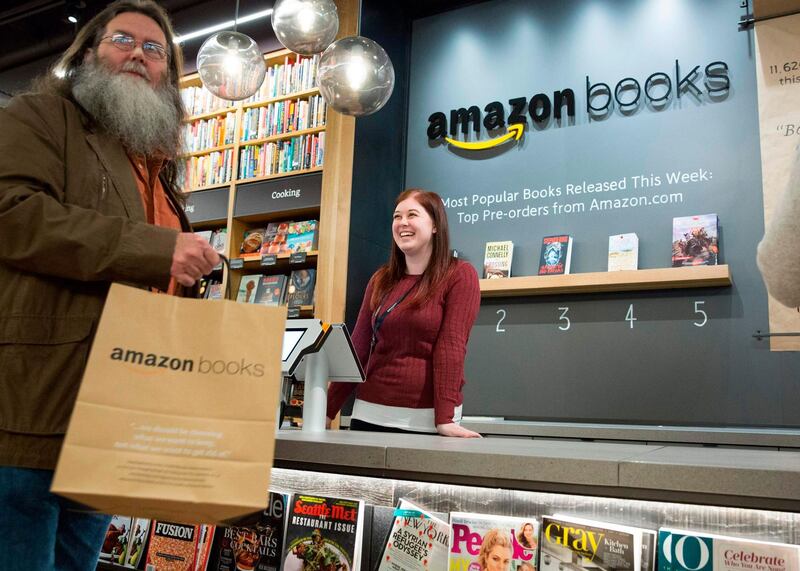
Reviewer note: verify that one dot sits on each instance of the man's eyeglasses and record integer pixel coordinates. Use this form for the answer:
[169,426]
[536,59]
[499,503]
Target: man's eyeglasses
[151,50]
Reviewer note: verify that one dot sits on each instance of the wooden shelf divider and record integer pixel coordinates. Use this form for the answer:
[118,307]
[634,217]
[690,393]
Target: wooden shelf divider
[600,282]
[282,136]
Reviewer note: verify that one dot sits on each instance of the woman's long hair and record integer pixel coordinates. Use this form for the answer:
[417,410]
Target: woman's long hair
[439,266]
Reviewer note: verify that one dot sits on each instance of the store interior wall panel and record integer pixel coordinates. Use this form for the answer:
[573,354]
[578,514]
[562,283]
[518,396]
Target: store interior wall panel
[379,161]
[659,367]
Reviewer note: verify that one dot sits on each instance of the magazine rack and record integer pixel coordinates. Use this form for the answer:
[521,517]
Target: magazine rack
[315,353]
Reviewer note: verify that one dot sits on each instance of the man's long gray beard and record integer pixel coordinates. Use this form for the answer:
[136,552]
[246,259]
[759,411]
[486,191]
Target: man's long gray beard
[146,120]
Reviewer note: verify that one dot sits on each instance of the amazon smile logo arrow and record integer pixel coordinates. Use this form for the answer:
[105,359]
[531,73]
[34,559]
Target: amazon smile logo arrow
[514,132]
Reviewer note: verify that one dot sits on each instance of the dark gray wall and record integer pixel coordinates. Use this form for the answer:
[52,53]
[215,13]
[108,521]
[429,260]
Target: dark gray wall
[664,369]
[379,161]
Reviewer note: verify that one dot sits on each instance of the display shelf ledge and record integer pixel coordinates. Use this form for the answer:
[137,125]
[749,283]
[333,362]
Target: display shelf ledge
[207,151]
[283,136]
[279,175]
[210,114]
[209,187]
[255,263]
[761,479]
[296,95]
[597,282]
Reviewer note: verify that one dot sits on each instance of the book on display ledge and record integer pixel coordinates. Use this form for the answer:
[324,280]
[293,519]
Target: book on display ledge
[248,288]
[251,243]
[497,259]
[695,240]
[556,255]
[623,252]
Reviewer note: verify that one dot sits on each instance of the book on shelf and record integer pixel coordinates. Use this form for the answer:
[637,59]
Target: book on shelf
[251,243]
[137,542]
[271,290]
[323,533]
[202,287]
[275,238]
[204,234]
[283,156]
[649,537]
[282,117]
[248,288]
[203,550]
[623,252]
[203,134]
[199,100]
[302,236]
[476,539]
[556,255]
[257,547]
[680,550]
[287,77]
[417,541]
[497,259]
[584,544]
[115,544]
[209,169]
[695,240]
[219,241]
[172,546]
[301,288]
[214,290]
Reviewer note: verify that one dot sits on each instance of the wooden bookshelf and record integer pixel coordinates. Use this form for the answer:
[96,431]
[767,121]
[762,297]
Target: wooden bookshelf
[333,214]
[601,282]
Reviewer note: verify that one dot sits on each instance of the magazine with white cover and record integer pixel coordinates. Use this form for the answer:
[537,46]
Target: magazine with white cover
[570,543]
[479,541]
[418,541]
[681,550]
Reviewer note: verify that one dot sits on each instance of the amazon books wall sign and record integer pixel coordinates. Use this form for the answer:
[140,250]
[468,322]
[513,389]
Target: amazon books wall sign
[628,94]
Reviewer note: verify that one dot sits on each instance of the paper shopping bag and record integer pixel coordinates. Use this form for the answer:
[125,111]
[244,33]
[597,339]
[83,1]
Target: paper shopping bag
[175,417]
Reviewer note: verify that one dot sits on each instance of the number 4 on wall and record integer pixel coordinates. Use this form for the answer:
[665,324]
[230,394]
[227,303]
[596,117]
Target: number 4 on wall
[629,316]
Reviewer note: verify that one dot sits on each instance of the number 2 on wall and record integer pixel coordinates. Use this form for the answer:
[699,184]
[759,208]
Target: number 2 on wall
[564,318]
[502,314]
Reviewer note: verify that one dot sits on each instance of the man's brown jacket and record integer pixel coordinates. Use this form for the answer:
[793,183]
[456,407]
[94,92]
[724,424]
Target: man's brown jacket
[71,222]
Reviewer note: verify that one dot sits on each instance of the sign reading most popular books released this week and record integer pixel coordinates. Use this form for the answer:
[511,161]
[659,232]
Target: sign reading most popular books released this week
[279,195]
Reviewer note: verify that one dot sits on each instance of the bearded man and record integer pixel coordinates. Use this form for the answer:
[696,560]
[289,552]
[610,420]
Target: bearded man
[88,196]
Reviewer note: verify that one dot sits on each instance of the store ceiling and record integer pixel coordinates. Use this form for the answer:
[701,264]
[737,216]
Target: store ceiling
[34,32]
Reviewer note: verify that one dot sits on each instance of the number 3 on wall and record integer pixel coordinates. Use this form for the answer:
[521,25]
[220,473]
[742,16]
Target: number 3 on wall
[502,314]
[563,317]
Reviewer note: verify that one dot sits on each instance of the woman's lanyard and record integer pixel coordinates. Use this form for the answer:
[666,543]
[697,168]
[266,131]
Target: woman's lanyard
[377,320]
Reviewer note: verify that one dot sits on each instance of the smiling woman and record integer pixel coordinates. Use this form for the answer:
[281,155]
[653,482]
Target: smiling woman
[413,327]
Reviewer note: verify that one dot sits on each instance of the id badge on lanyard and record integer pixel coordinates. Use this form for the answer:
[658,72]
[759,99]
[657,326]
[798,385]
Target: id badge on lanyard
[378,318]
